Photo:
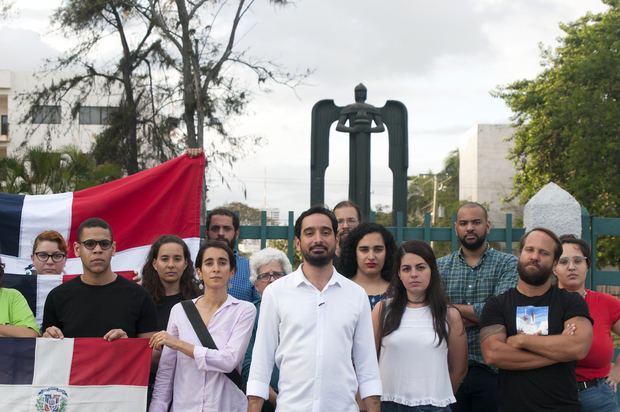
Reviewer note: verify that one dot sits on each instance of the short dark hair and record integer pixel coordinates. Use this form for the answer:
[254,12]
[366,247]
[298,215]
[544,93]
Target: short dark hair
[348,253]
[558,245]
[474,204]
[349,203]
[94,222]
[320,209]
[218,244]
[223,212]
[581,244]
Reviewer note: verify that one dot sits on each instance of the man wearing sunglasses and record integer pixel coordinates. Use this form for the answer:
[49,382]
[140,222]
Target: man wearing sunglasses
[98,303]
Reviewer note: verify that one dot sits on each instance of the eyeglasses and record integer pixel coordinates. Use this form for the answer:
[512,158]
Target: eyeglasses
[265,277]
[91,244]
[577,260]
[56,257]
[350,220]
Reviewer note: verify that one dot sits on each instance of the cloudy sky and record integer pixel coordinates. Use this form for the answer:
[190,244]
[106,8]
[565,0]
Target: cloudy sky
[440,58]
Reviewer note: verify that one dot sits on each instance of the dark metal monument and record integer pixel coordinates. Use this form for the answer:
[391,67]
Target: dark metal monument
[360,117]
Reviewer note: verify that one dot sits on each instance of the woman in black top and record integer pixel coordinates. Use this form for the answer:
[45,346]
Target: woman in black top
[168,275]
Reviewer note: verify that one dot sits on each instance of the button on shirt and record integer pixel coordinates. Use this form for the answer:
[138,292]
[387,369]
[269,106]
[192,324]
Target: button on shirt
[311,336]
[495,273]
[200,384]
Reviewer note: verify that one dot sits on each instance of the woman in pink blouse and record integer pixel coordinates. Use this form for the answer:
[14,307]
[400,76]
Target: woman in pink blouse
[192,377]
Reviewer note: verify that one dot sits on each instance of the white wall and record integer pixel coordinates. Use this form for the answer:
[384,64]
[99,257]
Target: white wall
[485,174]
[50,136]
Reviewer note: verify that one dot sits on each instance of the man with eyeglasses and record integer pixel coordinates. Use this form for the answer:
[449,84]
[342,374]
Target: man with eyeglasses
[98,303]
[348,216]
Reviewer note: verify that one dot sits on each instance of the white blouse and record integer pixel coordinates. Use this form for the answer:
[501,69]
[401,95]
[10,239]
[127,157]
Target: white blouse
[413,369]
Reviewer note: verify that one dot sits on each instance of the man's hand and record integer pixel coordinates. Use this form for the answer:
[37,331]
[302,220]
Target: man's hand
[115,334]
[255,403]
[53,332]
[194,151]
[569,329]
[137,278]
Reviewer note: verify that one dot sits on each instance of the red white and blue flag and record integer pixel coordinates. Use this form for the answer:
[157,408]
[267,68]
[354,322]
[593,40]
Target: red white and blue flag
[139,208]
[81,374]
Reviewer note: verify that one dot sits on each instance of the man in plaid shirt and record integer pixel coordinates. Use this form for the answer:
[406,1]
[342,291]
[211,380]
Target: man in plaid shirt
[471,275]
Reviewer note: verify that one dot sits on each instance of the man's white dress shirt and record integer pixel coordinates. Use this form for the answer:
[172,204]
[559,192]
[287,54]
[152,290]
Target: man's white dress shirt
[312,335]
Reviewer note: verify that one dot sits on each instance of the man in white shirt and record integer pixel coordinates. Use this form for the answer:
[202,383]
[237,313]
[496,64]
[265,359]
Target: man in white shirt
[311,323]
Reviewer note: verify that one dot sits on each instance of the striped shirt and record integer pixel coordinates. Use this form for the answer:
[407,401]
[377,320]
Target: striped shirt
[495,273]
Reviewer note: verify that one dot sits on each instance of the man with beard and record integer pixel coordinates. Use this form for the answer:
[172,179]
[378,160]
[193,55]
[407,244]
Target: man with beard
[536,364]
[349,217]
[312,322]
[223,225]
[471,275]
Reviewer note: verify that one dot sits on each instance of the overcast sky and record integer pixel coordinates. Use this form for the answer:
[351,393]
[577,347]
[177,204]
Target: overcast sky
[440,58]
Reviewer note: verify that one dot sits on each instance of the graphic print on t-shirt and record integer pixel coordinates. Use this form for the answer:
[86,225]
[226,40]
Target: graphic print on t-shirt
[533,320]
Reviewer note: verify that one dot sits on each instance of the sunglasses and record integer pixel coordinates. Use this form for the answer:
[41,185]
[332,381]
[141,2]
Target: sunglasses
[91,244]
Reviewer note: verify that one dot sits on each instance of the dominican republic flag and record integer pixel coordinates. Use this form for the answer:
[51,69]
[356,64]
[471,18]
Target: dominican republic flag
[36,287]
[81,374]
[139,208]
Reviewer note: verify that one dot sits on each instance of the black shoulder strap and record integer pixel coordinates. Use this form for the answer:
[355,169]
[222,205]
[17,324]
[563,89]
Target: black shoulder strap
[205,338]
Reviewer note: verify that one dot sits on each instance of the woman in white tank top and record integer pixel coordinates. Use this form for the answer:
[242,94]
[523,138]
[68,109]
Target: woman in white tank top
[421,342]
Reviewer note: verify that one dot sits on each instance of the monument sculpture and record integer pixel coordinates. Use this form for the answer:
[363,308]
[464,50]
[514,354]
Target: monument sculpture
[360,117]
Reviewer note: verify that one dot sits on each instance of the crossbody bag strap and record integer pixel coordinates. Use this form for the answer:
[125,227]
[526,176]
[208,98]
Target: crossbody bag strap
[205,338]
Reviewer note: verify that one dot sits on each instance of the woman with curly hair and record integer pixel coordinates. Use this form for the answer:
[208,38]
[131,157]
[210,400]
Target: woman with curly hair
[168,275]
[366,259]
[420,338]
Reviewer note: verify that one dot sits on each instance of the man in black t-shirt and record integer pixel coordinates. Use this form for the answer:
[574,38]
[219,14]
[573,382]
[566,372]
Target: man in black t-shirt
[98,303]
[535,332]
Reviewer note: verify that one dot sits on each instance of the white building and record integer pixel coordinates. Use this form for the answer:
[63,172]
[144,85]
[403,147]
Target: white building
[485,173]
[52,126]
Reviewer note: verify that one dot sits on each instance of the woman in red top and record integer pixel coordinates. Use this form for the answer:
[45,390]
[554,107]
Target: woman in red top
[597,378]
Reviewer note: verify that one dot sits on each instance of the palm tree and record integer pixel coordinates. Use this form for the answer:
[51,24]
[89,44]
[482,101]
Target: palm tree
[38,171]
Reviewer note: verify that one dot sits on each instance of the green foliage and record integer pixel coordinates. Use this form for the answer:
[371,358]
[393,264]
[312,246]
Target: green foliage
[568,119]
[421,188]
[282,244]
[248,215]
[251,216]
[383,215]
[38,171]
[134,137]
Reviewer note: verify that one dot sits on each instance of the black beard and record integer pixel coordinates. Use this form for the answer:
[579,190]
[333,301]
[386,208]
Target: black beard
[321,260]
[537,278]
[476,244]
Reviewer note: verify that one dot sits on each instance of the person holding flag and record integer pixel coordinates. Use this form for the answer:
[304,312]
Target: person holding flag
[16,318]
[99,302]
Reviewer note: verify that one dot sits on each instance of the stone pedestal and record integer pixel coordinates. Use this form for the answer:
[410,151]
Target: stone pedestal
[555,209]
